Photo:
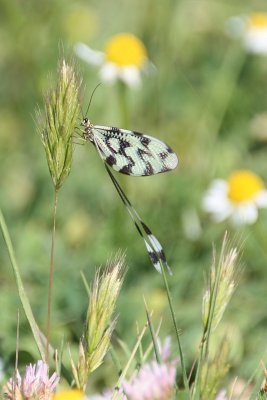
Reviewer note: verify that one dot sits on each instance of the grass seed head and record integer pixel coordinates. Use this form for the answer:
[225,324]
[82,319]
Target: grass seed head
[57,124]
[100,322]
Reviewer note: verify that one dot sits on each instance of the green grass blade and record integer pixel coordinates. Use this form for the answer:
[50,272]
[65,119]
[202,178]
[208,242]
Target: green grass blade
[153,335]
[21,291]
[125,370]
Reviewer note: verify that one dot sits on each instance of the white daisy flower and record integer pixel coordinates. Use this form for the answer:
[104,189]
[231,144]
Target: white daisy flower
[124,58]
[252,30]
[238,198]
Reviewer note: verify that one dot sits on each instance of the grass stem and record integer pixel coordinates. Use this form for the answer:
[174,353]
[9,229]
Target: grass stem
[51,272]
[185,380]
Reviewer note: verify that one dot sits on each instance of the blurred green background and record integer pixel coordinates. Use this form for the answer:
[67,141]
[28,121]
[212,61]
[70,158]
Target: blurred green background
[206,99]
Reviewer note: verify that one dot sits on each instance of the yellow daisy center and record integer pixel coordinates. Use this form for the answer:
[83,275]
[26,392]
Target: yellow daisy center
[243,186]
[126,49]
[258,20]
[69,395]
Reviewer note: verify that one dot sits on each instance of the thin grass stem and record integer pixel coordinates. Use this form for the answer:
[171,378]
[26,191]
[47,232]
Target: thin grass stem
[124,372]
[115,360]
[51,272]
[153,335]
[185,380]
[87,287]
[16,359]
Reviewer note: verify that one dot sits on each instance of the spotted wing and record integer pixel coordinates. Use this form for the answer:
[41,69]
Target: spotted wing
[133,153]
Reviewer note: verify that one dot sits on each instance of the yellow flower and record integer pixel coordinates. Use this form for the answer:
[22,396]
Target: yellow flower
[256,33]
[126,49]
[124,58]
[238,197]
[252,30]
[69,395]
[244,186]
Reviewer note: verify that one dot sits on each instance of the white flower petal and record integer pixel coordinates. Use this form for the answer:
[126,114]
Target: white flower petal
[223,214]
[246,213]
[109,72]
[215,200]
[261,199]
[89,55]
[219,185]
[131,76]
[255,40]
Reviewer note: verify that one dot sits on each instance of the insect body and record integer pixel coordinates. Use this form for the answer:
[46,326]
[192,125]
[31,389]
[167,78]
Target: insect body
[133,153]
[130,152]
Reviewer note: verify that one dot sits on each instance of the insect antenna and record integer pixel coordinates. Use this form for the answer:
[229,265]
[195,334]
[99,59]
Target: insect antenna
[91,99]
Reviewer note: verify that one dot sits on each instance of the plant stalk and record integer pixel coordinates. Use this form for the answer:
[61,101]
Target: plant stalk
[185,380]
[51,272]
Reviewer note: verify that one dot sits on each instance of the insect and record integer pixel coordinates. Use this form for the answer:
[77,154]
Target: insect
[133,153]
